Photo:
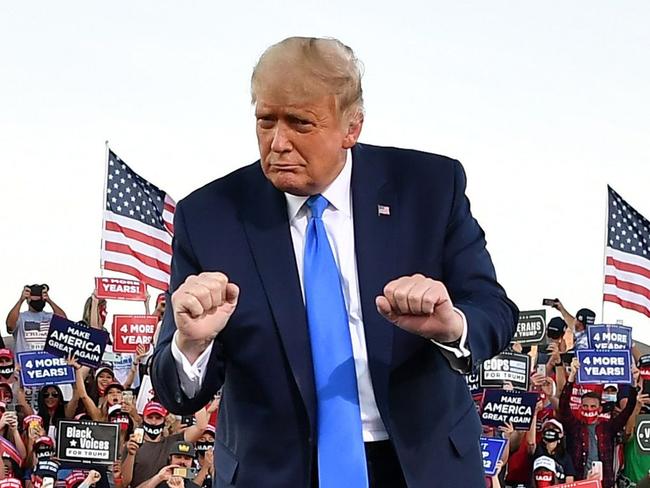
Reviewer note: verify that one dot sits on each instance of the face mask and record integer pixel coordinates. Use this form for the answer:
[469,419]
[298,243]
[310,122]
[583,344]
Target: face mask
[203,446]
[551,435]
[589,416]
[544,478]
[37,305]
[609,397]
[7,371]
[44,454]
[153,431]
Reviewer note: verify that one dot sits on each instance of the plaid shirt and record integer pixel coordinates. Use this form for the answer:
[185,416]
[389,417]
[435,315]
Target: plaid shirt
[577,434]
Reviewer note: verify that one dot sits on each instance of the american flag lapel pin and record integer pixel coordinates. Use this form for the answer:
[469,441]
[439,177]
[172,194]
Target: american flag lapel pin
[383,210]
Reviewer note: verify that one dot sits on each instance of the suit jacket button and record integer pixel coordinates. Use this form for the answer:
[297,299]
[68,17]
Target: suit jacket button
[177,397]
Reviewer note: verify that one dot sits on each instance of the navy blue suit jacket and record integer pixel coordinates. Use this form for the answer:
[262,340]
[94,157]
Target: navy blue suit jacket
[266,435]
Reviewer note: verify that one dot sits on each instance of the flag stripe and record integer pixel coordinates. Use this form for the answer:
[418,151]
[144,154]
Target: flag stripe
[143,258]
[631,268]
[627,296]
[627,277]
[130,270]
[626,257]
[625,304]
[129,223]
[627,286]
[138,246]
[121,258]
[138,236]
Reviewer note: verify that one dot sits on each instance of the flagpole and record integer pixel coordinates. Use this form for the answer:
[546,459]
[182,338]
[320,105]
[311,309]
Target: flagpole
[602,297]
[101,241]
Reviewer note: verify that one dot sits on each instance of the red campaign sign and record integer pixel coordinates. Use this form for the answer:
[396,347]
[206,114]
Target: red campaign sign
[120,289]
[129,331]
[581,484]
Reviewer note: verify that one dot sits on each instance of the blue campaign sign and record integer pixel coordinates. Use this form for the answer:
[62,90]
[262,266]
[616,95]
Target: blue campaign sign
[514,406]
[491,451]
[41,368]
[600,367]
[609,336]
[66,338]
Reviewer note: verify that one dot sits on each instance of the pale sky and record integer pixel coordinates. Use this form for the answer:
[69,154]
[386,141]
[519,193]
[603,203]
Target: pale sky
[544,104]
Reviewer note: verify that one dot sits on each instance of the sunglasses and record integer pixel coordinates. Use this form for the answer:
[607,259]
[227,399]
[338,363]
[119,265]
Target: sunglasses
[52,394]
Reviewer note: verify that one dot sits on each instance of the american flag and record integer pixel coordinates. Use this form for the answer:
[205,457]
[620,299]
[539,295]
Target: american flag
[627,253]
[138,226]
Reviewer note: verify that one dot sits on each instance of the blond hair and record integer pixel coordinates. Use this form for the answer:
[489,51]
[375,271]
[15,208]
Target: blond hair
[310,67]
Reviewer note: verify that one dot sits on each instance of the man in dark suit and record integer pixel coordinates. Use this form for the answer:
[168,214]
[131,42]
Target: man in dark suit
[335,290]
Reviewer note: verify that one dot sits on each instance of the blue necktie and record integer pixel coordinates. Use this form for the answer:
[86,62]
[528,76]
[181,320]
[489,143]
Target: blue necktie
[341,453]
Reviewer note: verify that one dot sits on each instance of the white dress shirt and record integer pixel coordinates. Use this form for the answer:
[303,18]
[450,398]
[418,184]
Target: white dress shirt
[339,224]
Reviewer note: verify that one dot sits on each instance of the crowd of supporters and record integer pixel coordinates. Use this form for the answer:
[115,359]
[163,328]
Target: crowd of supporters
[578,432]
[154,448]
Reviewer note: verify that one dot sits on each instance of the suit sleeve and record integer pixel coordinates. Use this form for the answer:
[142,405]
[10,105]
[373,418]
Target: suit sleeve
[471,280]
[164,369]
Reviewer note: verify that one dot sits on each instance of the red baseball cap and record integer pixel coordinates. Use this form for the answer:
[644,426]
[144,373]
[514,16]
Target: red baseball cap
[48,441]
[6,353]
[154,407]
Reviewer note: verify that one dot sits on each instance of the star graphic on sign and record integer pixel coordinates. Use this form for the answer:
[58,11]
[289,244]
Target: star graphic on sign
[73,443]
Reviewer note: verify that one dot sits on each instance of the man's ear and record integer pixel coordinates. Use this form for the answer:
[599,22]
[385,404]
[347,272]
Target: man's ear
[354,126]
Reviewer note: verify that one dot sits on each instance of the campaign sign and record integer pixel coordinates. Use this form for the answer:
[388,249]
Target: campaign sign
[130,331]
[581,484]
[120,289]
[40,368]
[599,367]
[516,407]
[491,450]
[473,383]
[67,338]
[506,367]
[87,442]
[531,327]
[643,432]
[145,395]
[605,337]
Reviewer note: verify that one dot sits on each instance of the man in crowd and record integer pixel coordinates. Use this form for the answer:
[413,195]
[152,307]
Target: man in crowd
[142,462]
[578,324]
[30,327]
[365,287]
[590,438]
[178,472]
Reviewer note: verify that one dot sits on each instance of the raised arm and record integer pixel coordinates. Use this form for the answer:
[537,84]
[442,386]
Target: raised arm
[14,313]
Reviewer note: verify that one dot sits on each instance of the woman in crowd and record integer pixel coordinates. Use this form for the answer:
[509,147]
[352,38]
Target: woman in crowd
[50,406]
[205,457]
[552,446]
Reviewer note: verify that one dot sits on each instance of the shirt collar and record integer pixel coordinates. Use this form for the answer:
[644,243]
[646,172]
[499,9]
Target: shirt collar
[338,193]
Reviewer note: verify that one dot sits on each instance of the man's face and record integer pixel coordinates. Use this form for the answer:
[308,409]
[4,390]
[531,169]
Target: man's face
[302,143]
[154,419]
[182,461]
[590,404]
[5,361]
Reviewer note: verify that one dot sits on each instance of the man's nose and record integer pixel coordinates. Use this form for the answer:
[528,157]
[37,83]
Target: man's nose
[281,139]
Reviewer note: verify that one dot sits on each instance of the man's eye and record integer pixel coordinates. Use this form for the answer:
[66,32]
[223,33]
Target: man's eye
[265,122]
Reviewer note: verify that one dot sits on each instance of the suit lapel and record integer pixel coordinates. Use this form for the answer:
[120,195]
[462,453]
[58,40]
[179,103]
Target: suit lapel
[269,236]
[376,213]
